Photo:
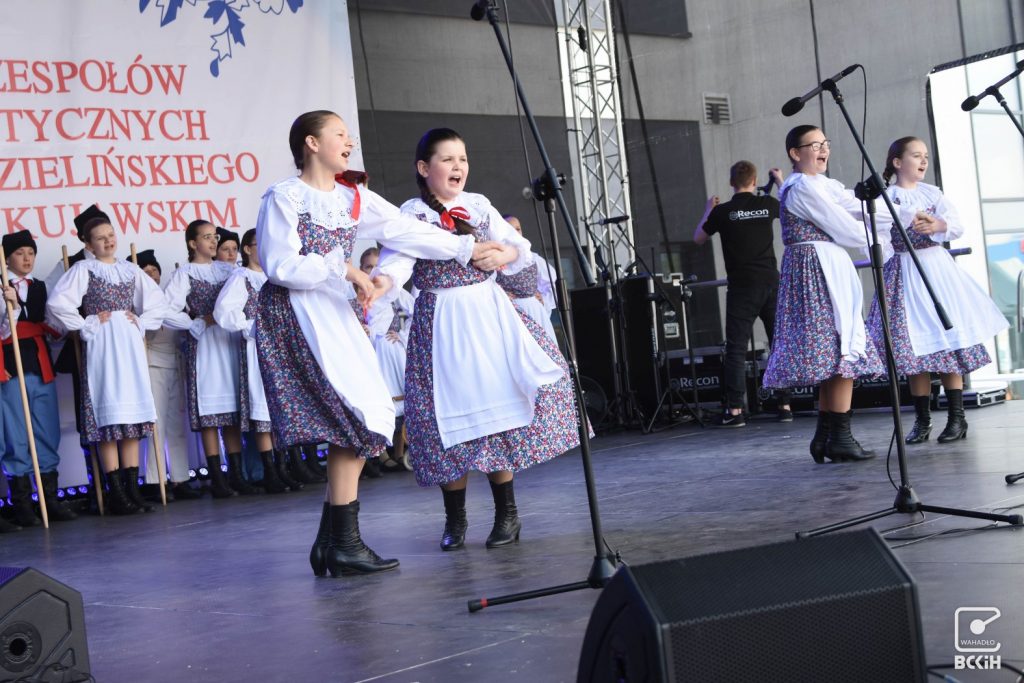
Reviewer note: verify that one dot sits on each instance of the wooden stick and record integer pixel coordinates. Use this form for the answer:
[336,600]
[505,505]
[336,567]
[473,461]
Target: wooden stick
[97,474]
[158,448]
[24,393]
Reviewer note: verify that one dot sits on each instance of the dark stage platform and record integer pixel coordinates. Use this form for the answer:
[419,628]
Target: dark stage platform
[221,590]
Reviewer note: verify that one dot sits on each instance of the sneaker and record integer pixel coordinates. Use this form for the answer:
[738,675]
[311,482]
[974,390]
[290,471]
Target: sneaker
[785,415]
[727,420]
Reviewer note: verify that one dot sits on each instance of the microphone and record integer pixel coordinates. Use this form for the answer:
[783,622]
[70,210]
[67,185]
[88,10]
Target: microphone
[613,219]
[479,10]
[973,101]
[797,103]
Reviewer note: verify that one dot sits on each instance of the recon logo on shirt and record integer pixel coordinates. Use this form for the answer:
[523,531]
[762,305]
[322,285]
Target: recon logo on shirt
[747,215]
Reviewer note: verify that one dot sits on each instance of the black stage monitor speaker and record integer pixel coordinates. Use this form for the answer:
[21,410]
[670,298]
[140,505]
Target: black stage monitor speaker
[831,608]
[42,629]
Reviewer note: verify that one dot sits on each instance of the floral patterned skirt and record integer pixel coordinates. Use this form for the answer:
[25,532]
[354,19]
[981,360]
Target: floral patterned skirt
[806,350]
[554,430]
[304,407]
[956,361]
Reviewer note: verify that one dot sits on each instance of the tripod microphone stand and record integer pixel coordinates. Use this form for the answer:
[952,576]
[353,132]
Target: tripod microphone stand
[907,501]
[548,189]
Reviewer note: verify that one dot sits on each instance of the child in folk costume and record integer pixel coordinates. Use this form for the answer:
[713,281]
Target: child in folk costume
[165,374]
[531,289]
[28,298]
[388,324]
[486,388]
[819,326]
[920,344]
[235,311]
[227,247]
[321,379]
[211,356]
[119,304]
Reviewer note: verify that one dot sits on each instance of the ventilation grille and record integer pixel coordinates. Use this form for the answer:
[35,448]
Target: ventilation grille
[717,109]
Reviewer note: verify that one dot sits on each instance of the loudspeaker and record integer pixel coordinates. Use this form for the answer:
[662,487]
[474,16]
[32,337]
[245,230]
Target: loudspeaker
[593,342]
[42,628]
[830,608]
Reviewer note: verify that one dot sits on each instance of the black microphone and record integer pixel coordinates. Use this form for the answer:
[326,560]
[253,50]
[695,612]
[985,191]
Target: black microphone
[797,103]
[973,101]
[479,10]
[613,219]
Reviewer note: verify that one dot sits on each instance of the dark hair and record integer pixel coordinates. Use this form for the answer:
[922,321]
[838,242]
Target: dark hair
[794,136]
[192,233]
[91,225]
[372,251]
[896,150]
[248,239]
[424,150]
[310,123]
[742,173]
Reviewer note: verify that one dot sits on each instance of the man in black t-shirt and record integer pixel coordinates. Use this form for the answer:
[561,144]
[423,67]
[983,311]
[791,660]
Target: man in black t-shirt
[745,224]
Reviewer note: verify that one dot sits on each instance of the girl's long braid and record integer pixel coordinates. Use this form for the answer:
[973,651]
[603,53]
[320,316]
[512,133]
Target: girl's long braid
[428,197]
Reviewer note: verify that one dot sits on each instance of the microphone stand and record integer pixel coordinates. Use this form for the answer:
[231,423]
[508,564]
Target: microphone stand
[971,102]
[906,501]
[548,189]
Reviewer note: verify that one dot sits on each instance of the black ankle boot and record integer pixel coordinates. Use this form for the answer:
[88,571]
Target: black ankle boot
[182,491]
[271,482]
[281,467]
[956,424]
[130,479]
[56,508]
[21,501]
[922,421]
[318,553]
[506,516]
[298,468]
[117,499]
[346,552]
[312,464]
[454,536]
[218,487]
[235,479]
[841,444]
[820,438]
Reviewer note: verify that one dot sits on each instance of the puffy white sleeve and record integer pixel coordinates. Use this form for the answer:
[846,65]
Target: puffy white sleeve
[396,266]
[831,210]
[229,311]
[384,222]
[176,293]
[502,231]
[150,303]
[64,301]
[379,318]
[5,322]
[947,212]
[545,282]
[277,240]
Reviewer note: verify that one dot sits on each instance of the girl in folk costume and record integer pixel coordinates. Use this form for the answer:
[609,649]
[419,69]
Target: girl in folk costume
[162,346]
[920,344]
[531,288]
[235,311]
[321,379]
[819,327]
[28,300]
[387,321]
[211,356]
[486,389]
[227,247]
[119,304]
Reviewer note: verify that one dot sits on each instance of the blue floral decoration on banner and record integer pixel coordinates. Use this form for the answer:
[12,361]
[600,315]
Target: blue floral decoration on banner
[216,12]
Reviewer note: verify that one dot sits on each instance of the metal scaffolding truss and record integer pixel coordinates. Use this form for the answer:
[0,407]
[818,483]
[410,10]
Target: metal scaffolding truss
[591,89]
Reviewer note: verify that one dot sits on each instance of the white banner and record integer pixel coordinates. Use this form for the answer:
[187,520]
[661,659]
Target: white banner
[160,111]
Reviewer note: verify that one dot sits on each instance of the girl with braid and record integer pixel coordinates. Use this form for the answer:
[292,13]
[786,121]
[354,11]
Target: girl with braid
[486,388]
[319,372]
[920,344]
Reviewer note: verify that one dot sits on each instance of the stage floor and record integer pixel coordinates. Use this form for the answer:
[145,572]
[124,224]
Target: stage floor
[222,591]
